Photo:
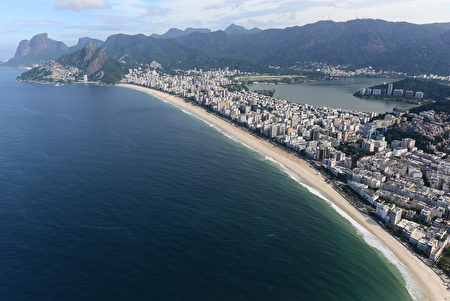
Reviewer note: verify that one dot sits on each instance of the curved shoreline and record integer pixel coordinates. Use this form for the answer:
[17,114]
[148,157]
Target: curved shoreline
[432,285]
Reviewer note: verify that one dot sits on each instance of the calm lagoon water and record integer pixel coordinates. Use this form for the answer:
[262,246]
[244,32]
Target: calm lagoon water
[110,194]
[335,94]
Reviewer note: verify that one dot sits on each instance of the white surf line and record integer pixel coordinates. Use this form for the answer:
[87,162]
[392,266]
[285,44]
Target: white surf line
[413,287]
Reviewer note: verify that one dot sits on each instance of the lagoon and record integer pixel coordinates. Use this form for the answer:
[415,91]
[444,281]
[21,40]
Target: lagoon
[334,93]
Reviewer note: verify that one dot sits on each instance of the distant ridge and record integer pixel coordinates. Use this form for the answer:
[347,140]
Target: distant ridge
[41,49]
[396,46]
[238,30]
[82,42]
[89,59]
[141,49]
[92,61]
[176,33]
[37,50]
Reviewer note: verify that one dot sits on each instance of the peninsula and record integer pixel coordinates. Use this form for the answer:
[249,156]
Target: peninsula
[411,90]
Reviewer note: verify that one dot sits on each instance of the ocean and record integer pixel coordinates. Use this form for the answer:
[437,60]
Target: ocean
[111,194]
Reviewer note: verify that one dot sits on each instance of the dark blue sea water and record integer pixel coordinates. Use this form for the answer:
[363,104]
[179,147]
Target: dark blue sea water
[110,194]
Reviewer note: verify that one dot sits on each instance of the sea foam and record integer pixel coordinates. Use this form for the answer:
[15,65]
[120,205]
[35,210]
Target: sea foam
[413,287]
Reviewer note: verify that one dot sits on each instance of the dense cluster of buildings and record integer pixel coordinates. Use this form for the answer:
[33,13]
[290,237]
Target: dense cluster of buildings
[428,123]
[391,92]
[55,72]
[407,187]
[434,77]
[393,181]
[340,71]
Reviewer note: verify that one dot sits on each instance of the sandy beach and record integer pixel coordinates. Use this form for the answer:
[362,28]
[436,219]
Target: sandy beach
[432,286]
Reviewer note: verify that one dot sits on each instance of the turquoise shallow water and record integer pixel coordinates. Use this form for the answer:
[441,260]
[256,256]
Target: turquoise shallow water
[108,193]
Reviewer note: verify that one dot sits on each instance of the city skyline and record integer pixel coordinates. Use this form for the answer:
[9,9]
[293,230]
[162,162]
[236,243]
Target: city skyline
[67,20]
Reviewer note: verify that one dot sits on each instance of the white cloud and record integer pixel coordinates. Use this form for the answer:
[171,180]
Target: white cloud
[281,13]
[157,11]
[27,25]
[78,5]
[156,16]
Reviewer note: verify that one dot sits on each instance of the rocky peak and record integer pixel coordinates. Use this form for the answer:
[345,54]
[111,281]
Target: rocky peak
[89,59]
[84,41]
[23,49]
[40,36]
[97,63]
[39,44]
[87,52]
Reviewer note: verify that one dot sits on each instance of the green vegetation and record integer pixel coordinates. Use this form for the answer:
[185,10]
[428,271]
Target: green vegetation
[389,98]
[431,89]
[436,96]
[425,180]
[386,199]
[236,87]
[422,141]
[385,45]
[438,106]
[93,62]
[393,230]
[34,74]
[440,93]
[349,190]
[351,151]
[270,93]
[140,49]
[397,46]
[78,58]
[112,71]
[379,117]
[355,198]
[287,79]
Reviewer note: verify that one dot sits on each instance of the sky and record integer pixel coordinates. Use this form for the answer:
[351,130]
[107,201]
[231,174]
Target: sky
[68,20]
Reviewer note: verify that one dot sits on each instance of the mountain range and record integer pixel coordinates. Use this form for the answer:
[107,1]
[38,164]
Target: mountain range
[237,30]
[176,33]
[92,60]
[41,49]
[89,58]
[397,46]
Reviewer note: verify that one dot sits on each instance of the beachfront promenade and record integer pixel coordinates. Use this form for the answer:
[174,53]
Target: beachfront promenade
[315,133]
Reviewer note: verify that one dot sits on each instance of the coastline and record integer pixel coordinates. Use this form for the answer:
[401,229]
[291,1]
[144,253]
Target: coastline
[399,99]
[432,286]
